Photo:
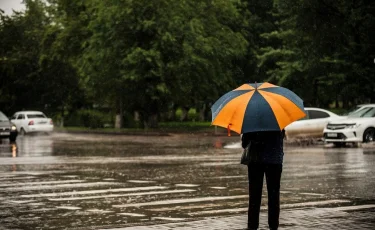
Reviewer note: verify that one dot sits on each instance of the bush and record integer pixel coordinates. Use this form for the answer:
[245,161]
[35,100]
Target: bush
[192,115]
[88,118]
[178,114]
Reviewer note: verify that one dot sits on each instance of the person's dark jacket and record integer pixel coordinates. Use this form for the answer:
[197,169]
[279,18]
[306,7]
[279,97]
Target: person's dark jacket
[272,142]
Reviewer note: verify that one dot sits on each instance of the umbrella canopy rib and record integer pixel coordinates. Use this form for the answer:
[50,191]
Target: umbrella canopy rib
[288,94]
[224,100]
[278,104]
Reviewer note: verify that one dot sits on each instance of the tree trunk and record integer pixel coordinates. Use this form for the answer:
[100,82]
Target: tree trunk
[184,114]
[118,121]
[62,117]
[151,121]
[120,115]
[202,113]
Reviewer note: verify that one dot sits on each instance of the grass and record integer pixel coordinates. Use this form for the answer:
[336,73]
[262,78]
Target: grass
[180,127]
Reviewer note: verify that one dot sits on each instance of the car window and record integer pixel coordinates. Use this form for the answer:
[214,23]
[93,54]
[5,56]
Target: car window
[305,117]
[3,117]
[35,115]
[366,112]
[13,117]
[369,113]
[21,117]
[315,114]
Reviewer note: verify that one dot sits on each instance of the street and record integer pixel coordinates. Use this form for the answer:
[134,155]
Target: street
[76,181]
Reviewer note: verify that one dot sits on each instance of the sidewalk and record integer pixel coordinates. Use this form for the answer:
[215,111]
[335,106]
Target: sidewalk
[348,217]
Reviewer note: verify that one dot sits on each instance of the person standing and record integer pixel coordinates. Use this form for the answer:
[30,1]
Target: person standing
[269,162]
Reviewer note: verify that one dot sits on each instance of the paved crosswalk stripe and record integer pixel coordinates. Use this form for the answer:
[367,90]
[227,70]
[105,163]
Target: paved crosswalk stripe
[182,201]
[16,178]
[40,183]
[141,181]
[283,206]
[99,211]
[131,214]
[68,207]
[60,186]
[121,195]
[168,218]
[94,191]
[187,185]
[350,208]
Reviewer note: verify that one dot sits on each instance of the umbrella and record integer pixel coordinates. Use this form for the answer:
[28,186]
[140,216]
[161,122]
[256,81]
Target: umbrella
[257,107]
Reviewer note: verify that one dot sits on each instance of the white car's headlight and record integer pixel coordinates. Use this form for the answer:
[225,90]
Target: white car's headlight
[352,126]
[13,127]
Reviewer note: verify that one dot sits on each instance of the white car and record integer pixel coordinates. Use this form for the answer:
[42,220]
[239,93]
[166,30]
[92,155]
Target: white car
[32,121]
[312,125]
[358,127]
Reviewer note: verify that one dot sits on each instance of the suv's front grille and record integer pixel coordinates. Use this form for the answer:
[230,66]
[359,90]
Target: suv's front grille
[4,129]
[336,126]
[339,136]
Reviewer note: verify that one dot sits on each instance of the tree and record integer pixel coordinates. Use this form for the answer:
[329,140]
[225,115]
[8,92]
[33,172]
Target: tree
[148,54]
[19,52]
[325,50]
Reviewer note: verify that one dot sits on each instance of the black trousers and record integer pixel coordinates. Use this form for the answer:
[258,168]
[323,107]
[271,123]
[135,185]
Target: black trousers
[256,173]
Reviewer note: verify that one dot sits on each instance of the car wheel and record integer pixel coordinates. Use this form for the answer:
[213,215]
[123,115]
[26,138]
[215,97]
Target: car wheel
[369,135]
[22,132]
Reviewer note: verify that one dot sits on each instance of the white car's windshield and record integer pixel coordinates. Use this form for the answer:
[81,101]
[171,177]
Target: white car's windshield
[36,116]
[3,117]
[366,112]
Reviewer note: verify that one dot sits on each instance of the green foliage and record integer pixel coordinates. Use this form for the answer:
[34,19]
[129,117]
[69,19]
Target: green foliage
[192,115]
[178,114]
[157,56]
[324,53]
[88,118]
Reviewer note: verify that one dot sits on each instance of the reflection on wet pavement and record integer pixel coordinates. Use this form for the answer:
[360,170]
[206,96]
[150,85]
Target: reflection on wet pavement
[65,181]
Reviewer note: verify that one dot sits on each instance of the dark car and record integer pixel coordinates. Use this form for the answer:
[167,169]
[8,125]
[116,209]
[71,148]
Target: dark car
[7,129]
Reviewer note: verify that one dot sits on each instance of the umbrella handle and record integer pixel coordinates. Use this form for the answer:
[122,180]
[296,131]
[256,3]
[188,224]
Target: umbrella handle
[228,130]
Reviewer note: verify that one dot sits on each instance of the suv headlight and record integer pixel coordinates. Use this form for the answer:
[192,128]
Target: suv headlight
[352,126]
[13,127]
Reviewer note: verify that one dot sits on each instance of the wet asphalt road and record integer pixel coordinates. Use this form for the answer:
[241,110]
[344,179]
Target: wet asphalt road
[66,181]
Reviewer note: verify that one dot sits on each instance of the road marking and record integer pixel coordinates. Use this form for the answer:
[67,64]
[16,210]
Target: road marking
[99,211]
[187,185]
[350,208]
[131,214]
[68,207]
[19,201]
[229,177]
[94,191]
[311,194]
[60,186]
[33,173]
[17,178]
[140,181]
[70,176]
[283,206]
[220,163]
[314,203]
[219,188]
[190,207]
[285,192]
[181,201]
[121,195]
[168,218]
[41,183]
